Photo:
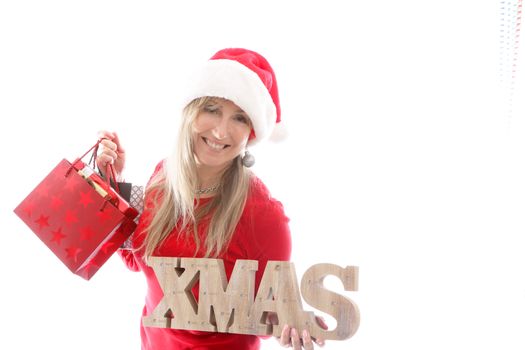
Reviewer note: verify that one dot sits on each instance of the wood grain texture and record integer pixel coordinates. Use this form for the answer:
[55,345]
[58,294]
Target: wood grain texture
[235,307]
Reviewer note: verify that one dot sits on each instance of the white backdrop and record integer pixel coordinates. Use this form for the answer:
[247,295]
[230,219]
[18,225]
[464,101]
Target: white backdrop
[402,156]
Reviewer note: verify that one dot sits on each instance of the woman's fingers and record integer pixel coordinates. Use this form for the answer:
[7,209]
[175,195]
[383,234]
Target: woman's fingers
[104,159]
[290,336]
[104,134]
[307,341]
[117,142]
[285,336]
[296,342]
[108,144]
[321,322]
[319,342]
[110,140]
[110,152]
[107,153]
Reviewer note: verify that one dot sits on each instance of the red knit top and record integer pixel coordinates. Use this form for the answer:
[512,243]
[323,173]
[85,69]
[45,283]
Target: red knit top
[262,234]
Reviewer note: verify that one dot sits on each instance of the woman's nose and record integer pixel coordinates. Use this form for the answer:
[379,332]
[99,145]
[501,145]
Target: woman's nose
[220,131]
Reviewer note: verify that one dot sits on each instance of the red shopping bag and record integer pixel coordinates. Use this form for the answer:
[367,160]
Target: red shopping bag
[78,215]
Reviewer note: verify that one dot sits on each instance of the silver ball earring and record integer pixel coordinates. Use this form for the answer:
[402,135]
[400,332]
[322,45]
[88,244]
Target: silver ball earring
[248,160]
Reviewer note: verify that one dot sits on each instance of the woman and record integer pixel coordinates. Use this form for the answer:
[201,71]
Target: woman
[203,201]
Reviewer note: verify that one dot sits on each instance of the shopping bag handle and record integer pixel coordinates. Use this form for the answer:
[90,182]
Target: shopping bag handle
[110,171]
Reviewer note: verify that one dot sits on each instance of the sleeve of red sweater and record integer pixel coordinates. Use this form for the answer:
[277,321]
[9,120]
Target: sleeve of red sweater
[271,239]
[269,235]
[128,256]
[129,259]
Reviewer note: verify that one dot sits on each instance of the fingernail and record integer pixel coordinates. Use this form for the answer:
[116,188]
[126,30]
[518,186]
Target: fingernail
[294,332]
[305,333]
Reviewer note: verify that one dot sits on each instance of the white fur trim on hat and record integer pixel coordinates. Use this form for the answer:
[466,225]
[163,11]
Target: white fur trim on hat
[234,81]
[279,133]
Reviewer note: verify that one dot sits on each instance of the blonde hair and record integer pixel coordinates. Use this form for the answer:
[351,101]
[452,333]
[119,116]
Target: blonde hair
[173,192]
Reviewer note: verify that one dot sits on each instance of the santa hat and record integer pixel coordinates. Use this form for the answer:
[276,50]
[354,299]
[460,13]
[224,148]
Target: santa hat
[247,79]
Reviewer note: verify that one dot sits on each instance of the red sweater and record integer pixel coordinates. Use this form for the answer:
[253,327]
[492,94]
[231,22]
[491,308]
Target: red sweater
[262,234]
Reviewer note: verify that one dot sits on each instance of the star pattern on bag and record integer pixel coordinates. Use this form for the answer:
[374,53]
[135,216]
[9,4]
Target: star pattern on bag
[70,185]
[56,202]
[72,253]
[72,218]
[86,233]
[28,208]
[42,221]
[57,236]
[85,199]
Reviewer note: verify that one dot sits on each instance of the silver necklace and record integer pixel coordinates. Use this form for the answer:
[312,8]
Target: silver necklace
[207,189]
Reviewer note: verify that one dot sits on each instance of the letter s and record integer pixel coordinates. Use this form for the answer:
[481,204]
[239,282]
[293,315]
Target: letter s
[343,309]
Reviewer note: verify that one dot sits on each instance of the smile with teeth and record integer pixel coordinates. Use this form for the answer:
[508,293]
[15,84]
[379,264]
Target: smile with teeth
[214,145]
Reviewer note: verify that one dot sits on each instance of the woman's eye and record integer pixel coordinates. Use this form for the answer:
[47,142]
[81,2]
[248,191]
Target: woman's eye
[241,118]
[211,109]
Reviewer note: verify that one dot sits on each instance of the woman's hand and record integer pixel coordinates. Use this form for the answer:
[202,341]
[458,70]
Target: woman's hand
[291,337]
[111,152]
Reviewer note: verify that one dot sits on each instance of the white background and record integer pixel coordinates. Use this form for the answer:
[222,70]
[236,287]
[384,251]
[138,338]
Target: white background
[404,156]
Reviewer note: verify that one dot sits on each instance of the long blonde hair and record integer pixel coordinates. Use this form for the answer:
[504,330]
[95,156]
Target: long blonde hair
[173,192]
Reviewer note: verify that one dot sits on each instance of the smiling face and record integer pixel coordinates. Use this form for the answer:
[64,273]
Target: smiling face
[220,133]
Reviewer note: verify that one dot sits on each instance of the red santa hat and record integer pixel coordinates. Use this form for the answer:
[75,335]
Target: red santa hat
[247,79]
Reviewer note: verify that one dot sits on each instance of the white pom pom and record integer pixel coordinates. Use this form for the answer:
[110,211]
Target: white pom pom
[279,133]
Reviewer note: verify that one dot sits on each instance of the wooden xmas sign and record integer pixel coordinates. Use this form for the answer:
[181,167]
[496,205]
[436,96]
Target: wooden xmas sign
[230,307]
